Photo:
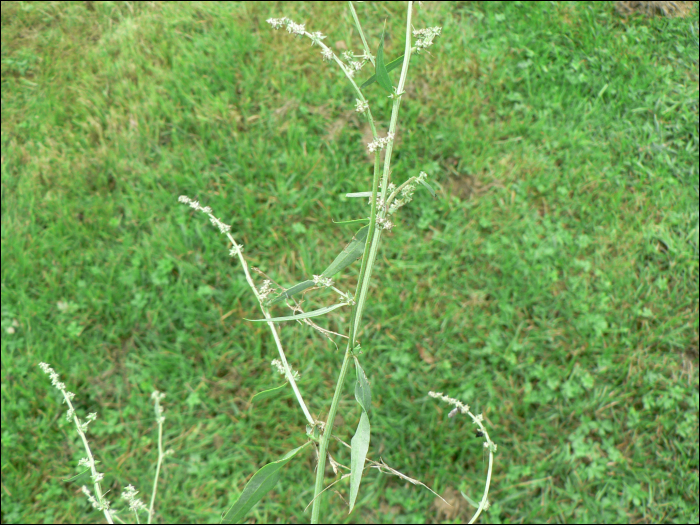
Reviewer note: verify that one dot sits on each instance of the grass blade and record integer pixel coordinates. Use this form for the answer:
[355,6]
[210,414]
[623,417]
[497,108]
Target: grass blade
[358,452]
[305,315]
[260,484]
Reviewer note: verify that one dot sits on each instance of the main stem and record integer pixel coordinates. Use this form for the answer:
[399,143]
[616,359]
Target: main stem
[368,259]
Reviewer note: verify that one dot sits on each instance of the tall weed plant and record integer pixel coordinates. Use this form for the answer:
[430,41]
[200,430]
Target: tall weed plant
[385,198]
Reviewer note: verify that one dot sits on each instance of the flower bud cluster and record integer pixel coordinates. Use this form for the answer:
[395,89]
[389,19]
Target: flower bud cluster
[450,400]
[361,106]
[426,37]
[319,280]
[379,143]
[280,368]
[266,289]
[135,504]
[385,223]
[297,29]
[223,227]
[406,194]
[99,505]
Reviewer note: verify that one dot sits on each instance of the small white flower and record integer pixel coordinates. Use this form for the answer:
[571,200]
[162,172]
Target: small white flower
[450,400]
[235,250]
[327,53]
[266,289]
[297,29]
[135,504]
[361,106]
[380,143]
[322,281]
[276,23]
[280,368]
[316,38]
[427,36]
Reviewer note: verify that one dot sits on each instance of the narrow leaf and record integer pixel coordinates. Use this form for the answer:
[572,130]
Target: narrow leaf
[267,394]
[260,484]
[430,188]
[471,501]
[305,315]
[380,68]
[350,222]
[297,288]
[359,194]
[358,452]
[363,394]
[78,475]
[350,254]
[389,67]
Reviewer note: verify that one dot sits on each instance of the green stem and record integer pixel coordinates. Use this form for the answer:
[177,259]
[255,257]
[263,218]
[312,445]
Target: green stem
[368,258]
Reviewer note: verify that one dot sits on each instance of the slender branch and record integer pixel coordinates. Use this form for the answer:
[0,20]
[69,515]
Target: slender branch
[237,250]
[157,396]
[368,53]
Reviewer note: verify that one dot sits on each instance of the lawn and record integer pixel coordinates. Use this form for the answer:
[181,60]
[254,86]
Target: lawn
[552,284]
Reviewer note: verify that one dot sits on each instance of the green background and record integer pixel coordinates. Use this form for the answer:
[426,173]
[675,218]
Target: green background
[552,285]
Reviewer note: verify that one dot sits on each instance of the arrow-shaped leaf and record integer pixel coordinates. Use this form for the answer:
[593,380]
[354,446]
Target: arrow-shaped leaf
[305,315]
[260,484]
[389,67]
[380,69]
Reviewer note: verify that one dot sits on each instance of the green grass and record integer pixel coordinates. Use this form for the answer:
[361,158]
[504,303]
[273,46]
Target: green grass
[553,284]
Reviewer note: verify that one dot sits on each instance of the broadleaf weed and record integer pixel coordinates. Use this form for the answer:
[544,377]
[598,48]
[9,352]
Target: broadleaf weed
[385,200]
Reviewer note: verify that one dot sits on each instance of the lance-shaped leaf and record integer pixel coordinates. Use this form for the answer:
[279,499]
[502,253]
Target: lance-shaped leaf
[380,68]
[359,194]
[260,484]
[358,452]
[428,186]
[389,67]
[267,394]
[363,393]
[349,255]
[305,315]
[351,222]
[297,288]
